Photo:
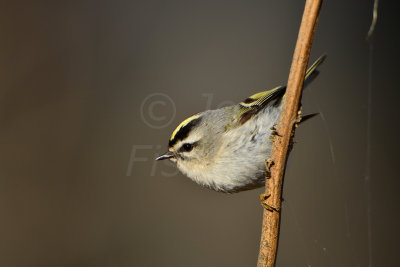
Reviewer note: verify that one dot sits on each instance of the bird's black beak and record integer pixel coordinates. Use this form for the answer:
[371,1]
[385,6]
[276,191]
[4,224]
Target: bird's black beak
[167,155]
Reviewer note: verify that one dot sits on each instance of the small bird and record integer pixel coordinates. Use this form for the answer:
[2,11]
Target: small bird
[225,149]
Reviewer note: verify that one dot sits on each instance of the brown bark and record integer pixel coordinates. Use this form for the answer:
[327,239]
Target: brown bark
[285,132]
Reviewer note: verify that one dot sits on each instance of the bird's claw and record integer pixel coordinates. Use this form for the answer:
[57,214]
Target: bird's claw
[274,133]
[263,198]
[268,164]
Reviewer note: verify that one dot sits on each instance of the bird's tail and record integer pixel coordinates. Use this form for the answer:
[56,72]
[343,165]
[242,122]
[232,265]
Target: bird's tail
[312,71]
[311,74]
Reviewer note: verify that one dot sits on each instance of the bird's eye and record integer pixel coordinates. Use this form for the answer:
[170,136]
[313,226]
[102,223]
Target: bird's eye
[187,147]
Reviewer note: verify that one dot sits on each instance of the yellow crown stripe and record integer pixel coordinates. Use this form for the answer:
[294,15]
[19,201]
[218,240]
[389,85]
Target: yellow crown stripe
[183,124]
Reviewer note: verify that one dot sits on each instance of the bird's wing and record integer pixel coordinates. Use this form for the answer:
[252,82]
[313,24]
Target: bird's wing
[253,104]
[261,99]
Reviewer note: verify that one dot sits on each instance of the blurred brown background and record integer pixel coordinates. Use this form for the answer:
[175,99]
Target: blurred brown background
[91,90]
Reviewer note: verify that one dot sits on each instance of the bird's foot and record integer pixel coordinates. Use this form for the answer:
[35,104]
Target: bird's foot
[268,164]
[274,133]
[263,198]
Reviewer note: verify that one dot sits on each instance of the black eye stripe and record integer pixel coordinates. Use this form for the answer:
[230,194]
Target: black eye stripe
[184,131]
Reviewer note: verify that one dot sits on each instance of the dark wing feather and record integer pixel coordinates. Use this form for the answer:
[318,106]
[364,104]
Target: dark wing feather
[253,104]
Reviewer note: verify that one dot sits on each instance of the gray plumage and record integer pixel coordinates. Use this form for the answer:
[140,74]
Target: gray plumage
[225,149]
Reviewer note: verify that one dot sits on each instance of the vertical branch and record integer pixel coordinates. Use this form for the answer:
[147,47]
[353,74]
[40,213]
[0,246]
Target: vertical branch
[285,129]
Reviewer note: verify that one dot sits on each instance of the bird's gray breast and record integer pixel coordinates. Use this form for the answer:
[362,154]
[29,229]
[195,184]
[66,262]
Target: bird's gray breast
[240,163]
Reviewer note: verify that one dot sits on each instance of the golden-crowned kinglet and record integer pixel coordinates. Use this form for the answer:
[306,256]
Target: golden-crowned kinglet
[225,149]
